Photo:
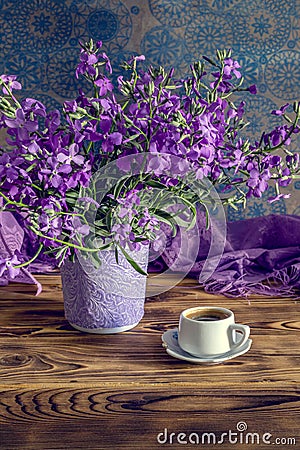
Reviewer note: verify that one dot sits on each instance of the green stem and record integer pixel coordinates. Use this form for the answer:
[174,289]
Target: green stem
[10,94]
[219,79]
[31,260]
[10,202]
[68,244]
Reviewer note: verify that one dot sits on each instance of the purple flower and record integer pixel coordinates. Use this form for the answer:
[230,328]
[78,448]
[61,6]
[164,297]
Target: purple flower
[158,164]
[7,168]
[78,131]
[252,89]
[10,80]
[80,177]
[71,155]
[281,110]
[44,222]
[231,66]
[104,85]
[257,182]
[34,107]
[107,62]
[70,106]
[222,86]
[147,221]
[203,171]
[136,58]
[53,173]
[21,126]
[7,264]
[106,124]
[274,160]
[285,179]
[293,161]
[86,64]
[111,140]
[278,135]
[129,204]
[53,120]
[122,234]
[82,229]
[278,197]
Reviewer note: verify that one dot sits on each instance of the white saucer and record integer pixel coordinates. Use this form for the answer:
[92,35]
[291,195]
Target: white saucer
[170,343]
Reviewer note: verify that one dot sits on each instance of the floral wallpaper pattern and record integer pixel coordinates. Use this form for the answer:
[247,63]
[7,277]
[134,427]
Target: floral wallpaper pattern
[39,43]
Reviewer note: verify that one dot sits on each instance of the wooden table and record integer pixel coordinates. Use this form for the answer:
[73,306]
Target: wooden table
[62,389]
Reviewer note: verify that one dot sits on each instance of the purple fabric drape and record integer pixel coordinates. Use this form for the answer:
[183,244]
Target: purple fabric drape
[261,256]
[11,240]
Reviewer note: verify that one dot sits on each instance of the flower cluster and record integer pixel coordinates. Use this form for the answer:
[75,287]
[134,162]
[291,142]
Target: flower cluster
[190,130]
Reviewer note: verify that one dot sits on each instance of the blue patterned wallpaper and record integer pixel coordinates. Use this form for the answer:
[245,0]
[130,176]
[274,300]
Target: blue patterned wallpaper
[39,43]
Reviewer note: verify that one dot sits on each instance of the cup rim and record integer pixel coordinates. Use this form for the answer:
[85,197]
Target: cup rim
[226,311]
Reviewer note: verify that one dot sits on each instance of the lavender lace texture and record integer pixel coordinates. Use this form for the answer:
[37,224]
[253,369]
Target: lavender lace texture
[110,296]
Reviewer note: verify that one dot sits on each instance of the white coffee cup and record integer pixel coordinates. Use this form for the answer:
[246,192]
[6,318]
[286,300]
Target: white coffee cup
[206,331]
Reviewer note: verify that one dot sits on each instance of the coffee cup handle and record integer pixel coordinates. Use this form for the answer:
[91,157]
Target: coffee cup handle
[244,329]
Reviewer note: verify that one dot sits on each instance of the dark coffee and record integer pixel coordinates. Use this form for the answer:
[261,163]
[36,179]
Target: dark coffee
[207,315]
[206,318]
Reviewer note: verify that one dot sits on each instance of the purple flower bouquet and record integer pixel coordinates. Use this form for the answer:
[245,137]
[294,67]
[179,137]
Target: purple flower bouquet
[155,134]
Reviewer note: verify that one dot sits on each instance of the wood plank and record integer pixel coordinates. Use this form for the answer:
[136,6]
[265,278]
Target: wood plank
[121,419]
[62,389]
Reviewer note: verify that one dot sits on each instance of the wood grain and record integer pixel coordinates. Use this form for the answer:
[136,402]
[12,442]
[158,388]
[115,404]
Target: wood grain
[63,389]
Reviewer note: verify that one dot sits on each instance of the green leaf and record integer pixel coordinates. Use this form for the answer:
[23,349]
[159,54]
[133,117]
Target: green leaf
[189,204]
[155,184]
[30,158]
[165,218]
[109,220]
[59,251]
[133,263]
[210,61]
[95,259]
[133,137]
[193,209]
[207,218]
[118,187]
[117,255]
[72,194]
[105,247]
[232,205]
[192,223]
